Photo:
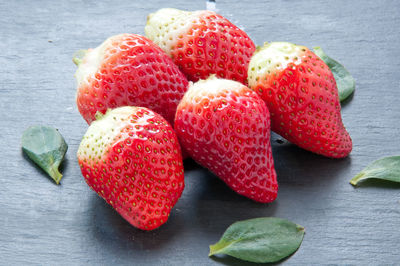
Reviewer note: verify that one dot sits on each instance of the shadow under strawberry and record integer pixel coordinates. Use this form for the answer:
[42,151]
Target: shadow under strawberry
[109,226]
[210,206]
[292,162]
[216,206]
[190,164]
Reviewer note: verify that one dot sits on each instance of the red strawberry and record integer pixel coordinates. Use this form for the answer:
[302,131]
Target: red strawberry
[128,69]
[131,158]
[302,97]
[201,43]
[225,127]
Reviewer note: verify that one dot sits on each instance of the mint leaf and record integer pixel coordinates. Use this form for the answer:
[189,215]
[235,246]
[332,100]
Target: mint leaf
[344,81]
[260,240]
[387,168]
[46,147]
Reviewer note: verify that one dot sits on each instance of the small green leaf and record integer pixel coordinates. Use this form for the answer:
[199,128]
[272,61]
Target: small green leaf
[46,147]
[260,240]
[344,81]
[387,168]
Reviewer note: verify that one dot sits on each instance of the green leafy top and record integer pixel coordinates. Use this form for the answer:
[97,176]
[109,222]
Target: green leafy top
[387,168]
[344,81]
[260,240]
[46,147]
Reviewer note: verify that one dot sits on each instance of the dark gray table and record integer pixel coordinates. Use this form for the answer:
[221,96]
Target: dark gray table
[45,224]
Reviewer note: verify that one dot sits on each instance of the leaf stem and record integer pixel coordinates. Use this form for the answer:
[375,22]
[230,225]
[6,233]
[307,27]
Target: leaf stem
[55,174]
[216,248]
[357,178]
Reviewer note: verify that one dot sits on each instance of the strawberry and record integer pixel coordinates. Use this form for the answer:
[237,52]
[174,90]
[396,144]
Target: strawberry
[225,127]
[128,69]
[201,43]
[302,97]
[131,157]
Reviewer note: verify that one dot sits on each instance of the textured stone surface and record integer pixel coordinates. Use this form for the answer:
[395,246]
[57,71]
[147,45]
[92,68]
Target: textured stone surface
[41,223]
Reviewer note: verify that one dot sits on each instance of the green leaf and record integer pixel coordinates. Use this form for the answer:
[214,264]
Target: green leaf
[46,147]
[387,168]
[344,81]
[260,240]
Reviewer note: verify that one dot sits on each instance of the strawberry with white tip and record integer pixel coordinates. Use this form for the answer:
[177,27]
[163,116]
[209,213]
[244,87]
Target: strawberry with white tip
[302,97]
[225,127]
[128,70]
[201,43]
[131,157]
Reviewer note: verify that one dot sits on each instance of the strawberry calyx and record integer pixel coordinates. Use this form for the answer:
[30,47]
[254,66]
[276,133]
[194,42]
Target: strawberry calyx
[78,56]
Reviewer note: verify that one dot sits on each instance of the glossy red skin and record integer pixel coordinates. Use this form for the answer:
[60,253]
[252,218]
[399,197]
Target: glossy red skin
[139,177]
[138,73]
[233,141]
[214,45]
[305,108]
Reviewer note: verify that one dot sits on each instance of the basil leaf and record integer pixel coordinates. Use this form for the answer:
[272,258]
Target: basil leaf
[344,81]
[46,147]
[260,240]
[387,168]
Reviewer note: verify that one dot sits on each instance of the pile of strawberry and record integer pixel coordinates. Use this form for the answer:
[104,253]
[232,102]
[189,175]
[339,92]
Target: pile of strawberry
[144,110]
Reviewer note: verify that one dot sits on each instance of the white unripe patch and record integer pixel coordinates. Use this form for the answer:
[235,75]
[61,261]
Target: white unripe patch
[104,132]
[165,26]
[92,60]
[210,86]
[271,57]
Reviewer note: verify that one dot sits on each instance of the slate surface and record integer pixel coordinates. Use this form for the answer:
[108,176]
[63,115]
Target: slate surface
[45,224]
